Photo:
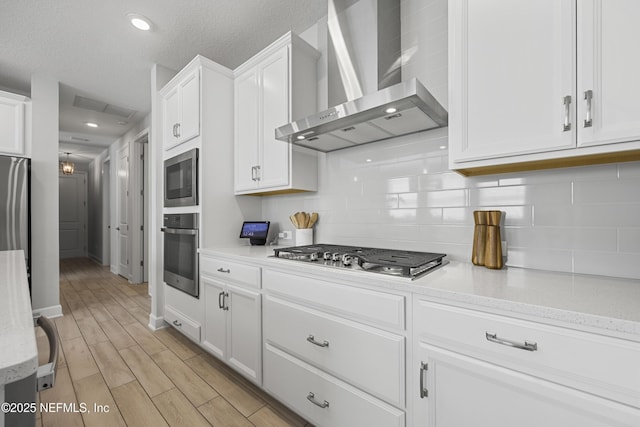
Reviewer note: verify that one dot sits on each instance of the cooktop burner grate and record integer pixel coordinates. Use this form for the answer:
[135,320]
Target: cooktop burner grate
[402,263]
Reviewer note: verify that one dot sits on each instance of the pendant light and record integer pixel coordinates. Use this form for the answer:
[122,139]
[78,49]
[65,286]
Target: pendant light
[67,167]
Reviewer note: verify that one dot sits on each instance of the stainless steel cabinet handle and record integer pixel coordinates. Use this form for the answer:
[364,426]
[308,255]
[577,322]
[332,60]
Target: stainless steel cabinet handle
[258,173]
[313,341]
[176,323]
[253,173]
[423,390]
[312,398]
[177,130]
[588,94]
[223,270]
[529,346]
[567,113]
[221,300]
[225,306]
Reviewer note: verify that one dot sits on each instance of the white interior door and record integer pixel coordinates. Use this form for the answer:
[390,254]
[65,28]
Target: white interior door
[123,212]
[73,215]
[106,212]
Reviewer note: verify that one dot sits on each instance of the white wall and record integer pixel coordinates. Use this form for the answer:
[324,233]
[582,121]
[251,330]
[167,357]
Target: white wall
[44,196]
[95,227]
[400,193]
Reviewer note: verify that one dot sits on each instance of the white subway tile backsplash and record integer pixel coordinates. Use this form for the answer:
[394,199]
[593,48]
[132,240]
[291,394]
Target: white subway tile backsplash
[608,264]
[540,259]
[629,240]
[628,170]
[613,191]
[593,239]
[406,198]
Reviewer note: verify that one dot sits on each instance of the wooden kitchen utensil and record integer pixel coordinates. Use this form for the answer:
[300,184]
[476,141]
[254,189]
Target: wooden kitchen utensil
[479,237]
[294,221]
[493,245]
[313,220]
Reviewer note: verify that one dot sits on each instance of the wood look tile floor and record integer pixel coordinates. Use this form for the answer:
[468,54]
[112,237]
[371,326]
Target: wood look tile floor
[110,358]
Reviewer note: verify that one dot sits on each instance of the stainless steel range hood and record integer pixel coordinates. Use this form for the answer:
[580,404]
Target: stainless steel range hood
[363,50]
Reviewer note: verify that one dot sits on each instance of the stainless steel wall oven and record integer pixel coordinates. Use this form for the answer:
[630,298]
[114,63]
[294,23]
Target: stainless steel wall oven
[181,252]
[181,179]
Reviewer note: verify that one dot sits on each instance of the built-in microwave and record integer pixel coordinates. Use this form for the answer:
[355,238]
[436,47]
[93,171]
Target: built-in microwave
[181,179]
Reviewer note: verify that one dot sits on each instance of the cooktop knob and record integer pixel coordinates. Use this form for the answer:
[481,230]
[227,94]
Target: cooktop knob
[335,256]
[313,256]
[326,256]
[346,259]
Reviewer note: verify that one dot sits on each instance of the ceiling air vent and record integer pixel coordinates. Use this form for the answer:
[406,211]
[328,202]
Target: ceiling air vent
[77,138]
[102,107]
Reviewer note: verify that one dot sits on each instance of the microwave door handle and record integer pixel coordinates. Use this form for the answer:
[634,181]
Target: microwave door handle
[187,231]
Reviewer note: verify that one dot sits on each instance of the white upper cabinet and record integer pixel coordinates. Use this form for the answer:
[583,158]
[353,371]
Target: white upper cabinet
[264,100]
[608,72]
[519,76]
[181,109]
[12,124]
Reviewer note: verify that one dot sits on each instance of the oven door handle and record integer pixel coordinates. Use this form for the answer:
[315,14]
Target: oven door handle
[188,231]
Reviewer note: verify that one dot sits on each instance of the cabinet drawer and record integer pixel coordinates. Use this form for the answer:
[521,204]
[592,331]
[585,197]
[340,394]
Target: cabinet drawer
[182,323]
[377,308]
[600,365]
[244,274]
[368,358]
[297,384]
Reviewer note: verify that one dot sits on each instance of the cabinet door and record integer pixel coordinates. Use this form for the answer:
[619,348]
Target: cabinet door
[462,391]
[190,106]
[274,167]
[245,332]
[11,126]
[246,126]
[511,65]
[215,324]
[608,32]
[171,119]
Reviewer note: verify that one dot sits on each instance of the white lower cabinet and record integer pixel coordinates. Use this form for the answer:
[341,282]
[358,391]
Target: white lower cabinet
[321,398]
[182,322]
[348,349]
[232,328]
[475,368]
[465,391]
[327,355]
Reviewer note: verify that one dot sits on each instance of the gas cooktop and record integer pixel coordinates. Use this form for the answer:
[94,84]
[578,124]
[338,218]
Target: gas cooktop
[384,261]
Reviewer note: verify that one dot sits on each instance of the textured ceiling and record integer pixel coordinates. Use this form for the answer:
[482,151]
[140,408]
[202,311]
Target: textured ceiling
[90,47]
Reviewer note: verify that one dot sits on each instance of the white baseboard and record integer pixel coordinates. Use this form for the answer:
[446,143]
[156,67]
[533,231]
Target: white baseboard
[49,312]
[95,258]
[156,323]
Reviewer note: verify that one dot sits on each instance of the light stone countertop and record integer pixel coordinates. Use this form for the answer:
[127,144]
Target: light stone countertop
[599,304]
[18,350]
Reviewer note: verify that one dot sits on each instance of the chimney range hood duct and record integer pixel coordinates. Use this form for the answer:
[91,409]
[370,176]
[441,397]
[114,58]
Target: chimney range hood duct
[364,74]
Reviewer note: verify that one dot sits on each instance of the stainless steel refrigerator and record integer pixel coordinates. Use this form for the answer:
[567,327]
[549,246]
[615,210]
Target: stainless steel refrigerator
[15,214]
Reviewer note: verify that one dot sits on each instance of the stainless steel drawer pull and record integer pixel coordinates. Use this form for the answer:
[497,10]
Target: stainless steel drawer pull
[313,341]
[224,270]
[312,398]
[221,300]
[423,390]
[176,323]
[529,346]
[567,113]
[588,94]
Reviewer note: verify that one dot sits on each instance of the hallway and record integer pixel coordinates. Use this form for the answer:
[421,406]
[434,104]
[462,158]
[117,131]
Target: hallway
[110,358]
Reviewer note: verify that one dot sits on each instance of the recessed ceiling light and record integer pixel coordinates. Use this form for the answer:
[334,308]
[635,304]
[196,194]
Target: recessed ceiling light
[140,22]
[368,160]
[300,136]
[91,124]
[390,110]
[443,147]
